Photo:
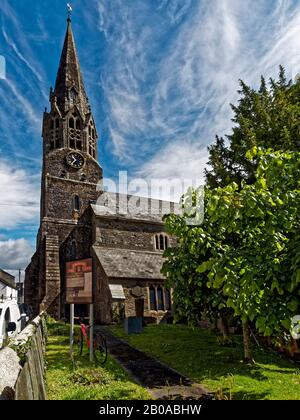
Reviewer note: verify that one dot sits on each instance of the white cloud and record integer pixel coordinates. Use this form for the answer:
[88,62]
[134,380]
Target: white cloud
[177,160]
[23,92]
[19,198]
[20,55]
[24,103]
[15,254]
[169,86]
[178,165]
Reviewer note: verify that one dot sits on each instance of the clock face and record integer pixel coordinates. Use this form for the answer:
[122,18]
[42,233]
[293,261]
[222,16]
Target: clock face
[75,160]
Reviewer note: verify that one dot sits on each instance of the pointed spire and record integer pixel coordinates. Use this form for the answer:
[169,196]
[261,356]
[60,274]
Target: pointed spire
[69,87]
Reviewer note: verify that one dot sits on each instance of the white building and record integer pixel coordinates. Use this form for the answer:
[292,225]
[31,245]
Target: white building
[8,288]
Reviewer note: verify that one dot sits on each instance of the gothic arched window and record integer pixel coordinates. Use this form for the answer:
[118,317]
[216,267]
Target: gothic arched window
[156,242]
[76,203]
[152,295]
[161,242]
[54,133]
[166,242]
[71,122]
[92,140]
[75,131]
[160,299]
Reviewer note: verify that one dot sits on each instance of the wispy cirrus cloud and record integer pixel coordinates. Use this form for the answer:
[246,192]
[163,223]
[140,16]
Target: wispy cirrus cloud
[160,75]
[20,55]
[22,93]
[173,70]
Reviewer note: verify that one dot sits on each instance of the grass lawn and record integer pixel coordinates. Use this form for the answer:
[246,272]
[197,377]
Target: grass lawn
[197,354]
[84,381]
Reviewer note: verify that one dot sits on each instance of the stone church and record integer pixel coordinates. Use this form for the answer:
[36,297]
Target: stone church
[79,221]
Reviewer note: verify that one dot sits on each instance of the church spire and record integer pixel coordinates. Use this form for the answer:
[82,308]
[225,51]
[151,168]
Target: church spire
[69,87]
[70,123]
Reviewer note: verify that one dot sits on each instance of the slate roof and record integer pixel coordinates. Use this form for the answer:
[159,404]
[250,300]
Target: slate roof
[7,279]
[133,207]
[124,263]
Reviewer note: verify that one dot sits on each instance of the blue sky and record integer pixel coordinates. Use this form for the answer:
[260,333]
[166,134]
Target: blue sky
[160,75]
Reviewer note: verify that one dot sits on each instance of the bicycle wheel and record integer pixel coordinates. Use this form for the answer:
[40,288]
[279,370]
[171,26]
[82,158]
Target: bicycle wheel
[100,348]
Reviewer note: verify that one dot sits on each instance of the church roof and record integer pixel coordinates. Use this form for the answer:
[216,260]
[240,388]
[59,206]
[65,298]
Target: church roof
[7,279]
[131,207]
[69,76]
[125,263]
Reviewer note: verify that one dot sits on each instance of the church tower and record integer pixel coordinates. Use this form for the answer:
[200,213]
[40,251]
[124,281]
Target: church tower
[70,177]
[70,168]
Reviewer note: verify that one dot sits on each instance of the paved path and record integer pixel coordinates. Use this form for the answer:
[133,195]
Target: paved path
[161,381]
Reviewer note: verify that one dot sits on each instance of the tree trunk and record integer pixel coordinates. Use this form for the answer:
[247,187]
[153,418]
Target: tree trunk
[248,357]
[224,327]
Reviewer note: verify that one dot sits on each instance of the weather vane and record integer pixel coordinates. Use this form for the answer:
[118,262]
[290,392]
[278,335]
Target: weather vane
[70,10]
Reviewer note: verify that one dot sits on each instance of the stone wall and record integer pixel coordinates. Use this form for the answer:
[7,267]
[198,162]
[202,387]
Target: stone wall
[128,234]
[22,365]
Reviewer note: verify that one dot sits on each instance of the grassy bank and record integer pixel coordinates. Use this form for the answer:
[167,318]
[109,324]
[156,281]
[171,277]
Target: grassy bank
[82,380]
[199,355]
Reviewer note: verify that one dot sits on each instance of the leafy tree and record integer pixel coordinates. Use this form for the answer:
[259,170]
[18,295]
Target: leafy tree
[186,266]
[268,118]
[246,255]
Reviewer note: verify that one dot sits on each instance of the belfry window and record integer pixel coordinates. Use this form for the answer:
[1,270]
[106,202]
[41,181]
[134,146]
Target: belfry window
[76,203]
[75,132]
[92,140]
[54,133]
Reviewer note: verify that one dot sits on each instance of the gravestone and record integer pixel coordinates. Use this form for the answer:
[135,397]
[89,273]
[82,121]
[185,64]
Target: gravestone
[133,325]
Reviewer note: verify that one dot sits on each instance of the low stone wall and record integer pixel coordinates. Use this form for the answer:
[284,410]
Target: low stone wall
[22,365]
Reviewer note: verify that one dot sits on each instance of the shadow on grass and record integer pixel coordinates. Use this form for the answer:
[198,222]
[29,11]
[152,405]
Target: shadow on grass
[199,355]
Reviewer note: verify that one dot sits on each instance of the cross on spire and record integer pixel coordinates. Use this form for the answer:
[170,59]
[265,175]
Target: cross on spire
[70,10]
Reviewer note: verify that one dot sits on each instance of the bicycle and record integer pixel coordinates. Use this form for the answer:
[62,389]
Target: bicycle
[99,343]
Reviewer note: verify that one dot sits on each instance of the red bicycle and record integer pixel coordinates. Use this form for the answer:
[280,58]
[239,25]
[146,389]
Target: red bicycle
[99,343]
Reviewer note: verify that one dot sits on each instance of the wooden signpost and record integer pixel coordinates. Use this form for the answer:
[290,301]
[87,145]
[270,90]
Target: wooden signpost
[79,280]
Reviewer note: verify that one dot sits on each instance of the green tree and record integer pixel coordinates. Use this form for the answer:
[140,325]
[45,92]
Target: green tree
[268,118]
[187,266]
[246,254]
